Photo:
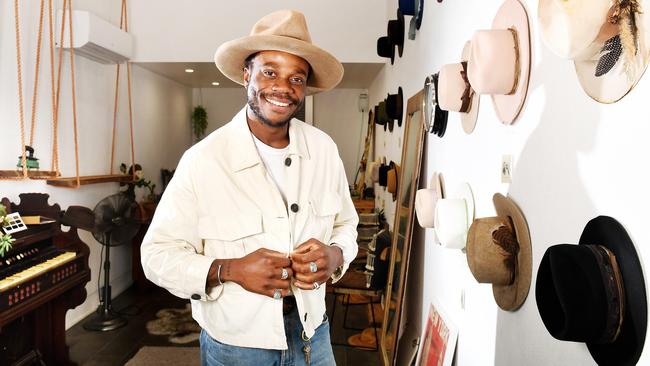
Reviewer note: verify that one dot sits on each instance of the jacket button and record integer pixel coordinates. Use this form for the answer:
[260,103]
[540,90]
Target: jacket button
[294,207]
[196,297]
[287,161]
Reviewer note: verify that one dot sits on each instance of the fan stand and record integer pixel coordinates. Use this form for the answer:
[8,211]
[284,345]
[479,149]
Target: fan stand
[105,319]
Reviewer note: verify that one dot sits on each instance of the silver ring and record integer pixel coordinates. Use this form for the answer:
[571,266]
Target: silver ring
[313,268]
[316,285]
[285,274]
[277,294]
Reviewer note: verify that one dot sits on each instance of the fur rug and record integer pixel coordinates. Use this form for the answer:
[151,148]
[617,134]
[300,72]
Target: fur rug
[178,324]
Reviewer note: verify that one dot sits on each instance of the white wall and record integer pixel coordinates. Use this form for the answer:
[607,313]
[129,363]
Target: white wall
[335,112]
[574,159]
[192,31]
[161,117]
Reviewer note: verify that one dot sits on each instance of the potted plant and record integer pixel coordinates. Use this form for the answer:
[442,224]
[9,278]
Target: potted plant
[147,206]
[5,239]
[199,122]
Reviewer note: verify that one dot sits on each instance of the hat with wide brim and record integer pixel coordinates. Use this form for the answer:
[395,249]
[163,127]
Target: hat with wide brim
[609,233]
[454,89]
[582,31]
[395,106]
[488,242]
[393,179]
[286,31]
[500,61]
[395,32]
[453,217]
[386,49]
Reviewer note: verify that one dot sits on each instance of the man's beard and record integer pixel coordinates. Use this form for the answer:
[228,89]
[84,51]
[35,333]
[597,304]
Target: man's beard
[253,104]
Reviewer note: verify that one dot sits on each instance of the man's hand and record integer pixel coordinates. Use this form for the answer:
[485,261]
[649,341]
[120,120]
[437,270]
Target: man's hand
[259,272]
[327,259]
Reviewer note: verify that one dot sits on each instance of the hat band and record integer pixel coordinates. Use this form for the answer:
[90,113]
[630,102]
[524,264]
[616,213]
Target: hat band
[506,240]
[468,93]
[614,293]
[517,61]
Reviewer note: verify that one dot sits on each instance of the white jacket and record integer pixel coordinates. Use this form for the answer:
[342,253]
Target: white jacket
[222,203]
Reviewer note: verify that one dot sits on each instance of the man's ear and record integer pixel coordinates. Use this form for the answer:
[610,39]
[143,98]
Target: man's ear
[247,76]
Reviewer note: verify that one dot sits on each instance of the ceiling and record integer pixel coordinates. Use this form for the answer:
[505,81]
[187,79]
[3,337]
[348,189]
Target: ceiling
[357,75]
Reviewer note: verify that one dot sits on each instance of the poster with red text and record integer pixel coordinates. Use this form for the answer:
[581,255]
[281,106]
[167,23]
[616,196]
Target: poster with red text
[438,341]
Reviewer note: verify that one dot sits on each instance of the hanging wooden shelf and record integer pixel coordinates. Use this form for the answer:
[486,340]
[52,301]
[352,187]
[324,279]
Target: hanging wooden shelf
[32,174]
[71,182]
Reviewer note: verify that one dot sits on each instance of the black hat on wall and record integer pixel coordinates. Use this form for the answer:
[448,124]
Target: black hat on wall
[395,106]
[383,174]
[414,8]
[594,292]
[381,117]
[386,49]
[395,32]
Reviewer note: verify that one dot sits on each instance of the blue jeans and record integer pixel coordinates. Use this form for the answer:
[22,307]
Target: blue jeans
[215,353]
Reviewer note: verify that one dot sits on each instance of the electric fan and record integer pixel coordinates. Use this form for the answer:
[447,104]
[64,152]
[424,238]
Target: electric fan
[115,225]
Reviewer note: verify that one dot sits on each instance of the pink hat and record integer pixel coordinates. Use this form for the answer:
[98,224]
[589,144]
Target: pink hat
[426,199]
[499,63]
[455,92]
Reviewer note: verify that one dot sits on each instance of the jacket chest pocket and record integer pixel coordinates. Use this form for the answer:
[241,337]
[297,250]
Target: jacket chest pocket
[323,211]
[230,235]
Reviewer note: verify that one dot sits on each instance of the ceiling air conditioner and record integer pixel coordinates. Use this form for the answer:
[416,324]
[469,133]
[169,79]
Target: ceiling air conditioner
[95,38]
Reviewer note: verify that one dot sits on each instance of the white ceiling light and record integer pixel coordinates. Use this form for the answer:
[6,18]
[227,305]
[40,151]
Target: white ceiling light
[215,83]
[189,70]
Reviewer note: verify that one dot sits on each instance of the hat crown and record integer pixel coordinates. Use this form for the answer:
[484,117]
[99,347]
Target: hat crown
[451,87]
[491,250]
[493,66]
[571,296]
[285,23]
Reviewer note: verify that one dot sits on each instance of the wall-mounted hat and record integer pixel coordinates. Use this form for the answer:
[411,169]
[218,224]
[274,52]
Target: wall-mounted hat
[594,292]
[453,217]
[381,116]
[386,49]
[395,106]
[395,32]
[283,30]
[426,200]
[435,119]
[499,252]
[393,179]
[609,42]
[499,62]
[414,8]
[373,168]
[455,92]
[383,173]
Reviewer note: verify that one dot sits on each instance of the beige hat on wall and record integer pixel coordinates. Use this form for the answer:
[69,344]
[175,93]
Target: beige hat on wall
[455,92]
[499,252]
[426,200]
[608,41]
[283,30]
[393,179]
[499,62]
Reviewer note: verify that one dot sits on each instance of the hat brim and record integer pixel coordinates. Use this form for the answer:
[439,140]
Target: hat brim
[468,119]
[512,14]
[616,84]
[627,348]
[511,297]
[326,71]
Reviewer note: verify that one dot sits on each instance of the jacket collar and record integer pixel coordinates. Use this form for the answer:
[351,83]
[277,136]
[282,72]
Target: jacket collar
[242,152]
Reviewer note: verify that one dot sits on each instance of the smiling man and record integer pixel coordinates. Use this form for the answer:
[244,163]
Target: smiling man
[258,215]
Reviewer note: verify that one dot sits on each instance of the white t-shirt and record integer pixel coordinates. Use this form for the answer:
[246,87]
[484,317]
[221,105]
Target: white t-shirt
[274,162]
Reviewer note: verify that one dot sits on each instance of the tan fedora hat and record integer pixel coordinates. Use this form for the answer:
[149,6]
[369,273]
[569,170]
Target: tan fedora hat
[286,31]
[455,92]
[393,179]
[608,41]
[426,200]
[499,63]
[499,252]
[453,217]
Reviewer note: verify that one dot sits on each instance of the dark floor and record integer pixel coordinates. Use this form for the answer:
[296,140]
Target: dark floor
[116,347]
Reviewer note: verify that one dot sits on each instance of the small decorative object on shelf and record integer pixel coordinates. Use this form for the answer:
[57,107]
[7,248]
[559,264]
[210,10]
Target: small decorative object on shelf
[148,205]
